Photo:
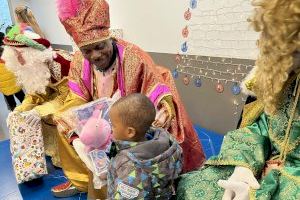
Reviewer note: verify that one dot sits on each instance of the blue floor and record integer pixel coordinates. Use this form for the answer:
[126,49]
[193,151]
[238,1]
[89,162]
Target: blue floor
[40,189]
[211,141]
[35,190]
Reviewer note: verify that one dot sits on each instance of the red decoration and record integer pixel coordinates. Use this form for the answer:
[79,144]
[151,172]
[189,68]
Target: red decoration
[185,32]
[187,14]
[177,58]
[186,80]
[219,88]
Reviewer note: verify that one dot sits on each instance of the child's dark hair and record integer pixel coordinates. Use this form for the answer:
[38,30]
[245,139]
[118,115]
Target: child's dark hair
[137,111]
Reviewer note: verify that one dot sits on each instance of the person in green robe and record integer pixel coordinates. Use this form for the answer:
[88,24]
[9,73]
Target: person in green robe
[261,160]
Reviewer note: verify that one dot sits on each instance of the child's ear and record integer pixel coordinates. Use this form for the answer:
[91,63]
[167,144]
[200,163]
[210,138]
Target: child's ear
[131,132]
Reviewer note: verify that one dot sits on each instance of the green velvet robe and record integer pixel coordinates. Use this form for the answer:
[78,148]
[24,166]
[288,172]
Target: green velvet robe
[251,147]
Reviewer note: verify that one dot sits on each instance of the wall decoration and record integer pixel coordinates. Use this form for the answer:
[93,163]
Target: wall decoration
[187,15]
[185,32]
[186,80]
[193,4]
[197,82]
[219,88]
[236,89]
[175,73]
[177,58]
[184,47]
[221,35]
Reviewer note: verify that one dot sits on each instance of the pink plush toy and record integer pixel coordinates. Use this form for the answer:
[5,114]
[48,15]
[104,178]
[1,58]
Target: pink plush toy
[96,132]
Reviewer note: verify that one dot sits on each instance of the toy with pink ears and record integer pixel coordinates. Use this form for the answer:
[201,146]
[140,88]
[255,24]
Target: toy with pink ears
[96,132]
[93,125]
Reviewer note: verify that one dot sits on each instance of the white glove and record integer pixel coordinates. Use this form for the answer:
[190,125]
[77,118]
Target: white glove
[32,117]
[235,190]
[238,185]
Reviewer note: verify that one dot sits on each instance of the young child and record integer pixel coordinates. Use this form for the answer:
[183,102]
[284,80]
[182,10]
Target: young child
[146,160]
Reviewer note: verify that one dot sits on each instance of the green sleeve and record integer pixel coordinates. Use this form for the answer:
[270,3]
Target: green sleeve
[248,147]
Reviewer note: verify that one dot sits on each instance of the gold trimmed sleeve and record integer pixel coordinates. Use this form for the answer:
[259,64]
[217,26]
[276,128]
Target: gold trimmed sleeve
[247,147]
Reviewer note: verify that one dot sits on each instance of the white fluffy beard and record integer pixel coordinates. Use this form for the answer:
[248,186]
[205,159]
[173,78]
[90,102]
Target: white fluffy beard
[34,75]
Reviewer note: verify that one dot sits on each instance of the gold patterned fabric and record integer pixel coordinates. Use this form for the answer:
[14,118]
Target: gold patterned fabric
[47,105]
[91,24]
[267,139]
[251,113]
[73,167]
[140,75]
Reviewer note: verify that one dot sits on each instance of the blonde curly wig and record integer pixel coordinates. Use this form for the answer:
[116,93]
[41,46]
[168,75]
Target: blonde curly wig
[279,24]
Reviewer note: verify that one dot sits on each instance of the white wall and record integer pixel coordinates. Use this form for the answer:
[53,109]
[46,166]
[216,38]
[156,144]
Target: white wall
[219,28]
[153,25]
[13,4]
[45,13]
[156,25]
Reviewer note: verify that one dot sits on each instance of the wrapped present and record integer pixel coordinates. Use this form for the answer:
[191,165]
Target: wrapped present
[27,149]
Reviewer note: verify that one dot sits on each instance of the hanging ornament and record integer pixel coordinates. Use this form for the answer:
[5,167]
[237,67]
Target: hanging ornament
[187,15]
[177,58]
[186,80]
[197,82]
[236,103]
[193,4]
[185,32]
[235,89]
[175,73]
[184,47]
[219,88]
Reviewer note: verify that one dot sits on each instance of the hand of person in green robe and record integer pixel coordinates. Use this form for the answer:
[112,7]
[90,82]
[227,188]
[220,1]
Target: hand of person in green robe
[234,190]
[238,185]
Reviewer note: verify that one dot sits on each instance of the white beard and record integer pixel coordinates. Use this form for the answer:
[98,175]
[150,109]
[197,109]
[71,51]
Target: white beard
[34,75]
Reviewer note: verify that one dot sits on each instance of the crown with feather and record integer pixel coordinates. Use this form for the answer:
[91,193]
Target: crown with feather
[86,21]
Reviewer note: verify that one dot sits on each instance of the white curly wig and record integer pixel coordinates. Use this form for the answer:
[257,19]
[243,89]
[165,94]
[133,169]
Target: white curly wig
[34,74]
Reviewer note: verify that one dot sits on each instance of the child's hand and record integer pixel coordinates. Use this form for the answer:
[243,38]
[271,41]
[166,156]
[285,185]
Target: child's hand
[161,118]
[100,181]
